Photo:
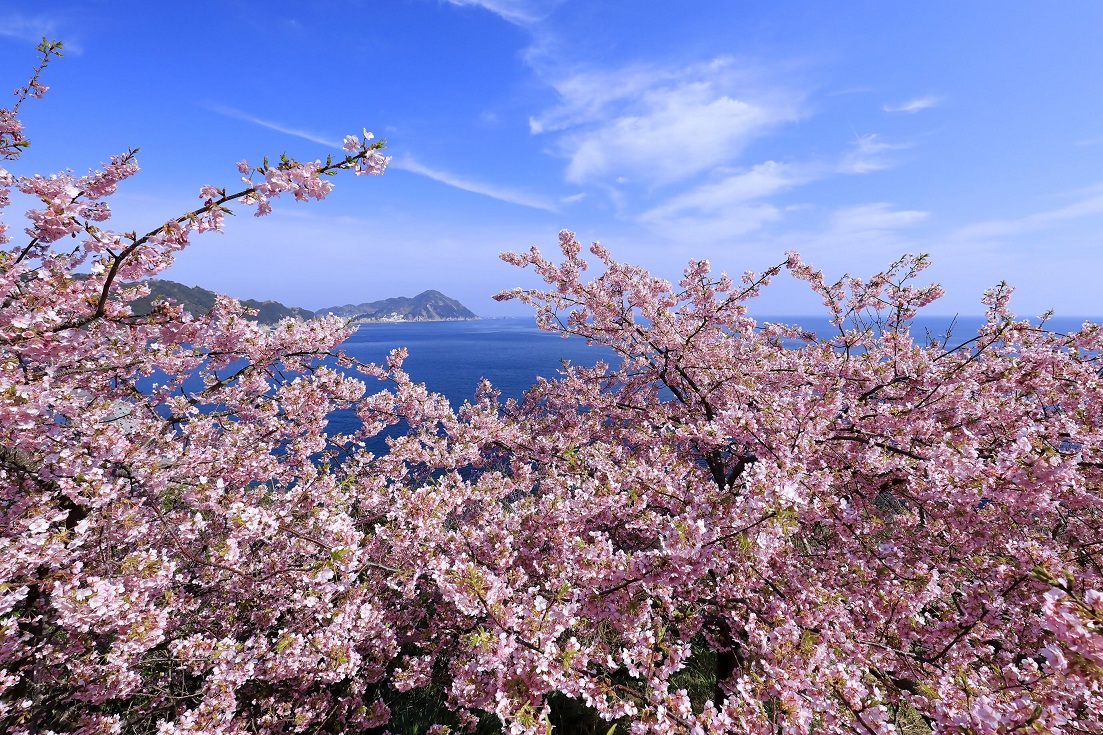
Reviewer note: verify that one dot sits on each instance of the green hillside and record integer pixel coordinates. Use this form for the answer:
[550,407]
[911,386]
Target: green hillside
[198,301]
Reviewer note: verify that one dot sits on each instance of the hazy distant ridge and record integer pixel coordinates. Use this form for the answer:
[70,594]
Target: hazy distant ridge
[426,306]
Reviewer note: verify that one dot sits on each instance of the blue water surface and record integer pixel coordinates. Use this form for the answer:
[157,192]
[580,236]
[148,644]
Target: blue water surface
[452,357]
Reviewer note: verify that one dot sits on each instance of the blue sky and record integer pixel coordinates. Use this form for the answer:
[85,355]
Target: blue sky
[852,132]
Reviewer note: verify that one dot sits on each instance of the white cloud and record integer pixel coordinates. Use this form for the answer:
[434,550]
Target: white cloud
[869,154]
[594,95]
[874,217]
[685,131]
[761,181]
[32,29]
[27,29]
[660,125]
[407,163]
[914,105]
[518,12]
[720,210]
[858,238]
[1088,206]
[724,205]
[875,232]
[719,227]
[278,127]
[686,128]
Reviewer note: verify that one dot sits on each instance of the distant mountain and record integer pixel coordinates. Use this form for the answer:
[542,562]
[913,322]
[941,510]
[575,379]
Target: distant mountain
[427,306]
[198,301]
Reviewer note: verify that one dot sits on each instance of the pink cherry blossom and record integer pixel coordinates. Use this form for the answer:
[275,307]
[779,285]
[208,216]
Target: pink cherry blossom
[859,530]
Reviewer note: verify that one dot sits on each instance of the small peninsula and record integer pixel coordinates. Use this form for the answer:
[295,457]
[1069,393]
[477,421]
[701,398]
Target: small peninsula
[427,306]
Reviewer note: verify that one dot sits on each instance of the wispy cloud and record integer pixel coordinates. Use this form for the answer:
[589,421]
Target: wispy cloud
[720,227]
[660,124]
[871,234]
[729,207]
[874,218]
[1088,206]
[914,105]
[759,182]
[687,128]
[32,29]
[733,203]
[849,90]
[518,12]
[23,28]
[868,154]
[278,127]
[408,163]
[404,163]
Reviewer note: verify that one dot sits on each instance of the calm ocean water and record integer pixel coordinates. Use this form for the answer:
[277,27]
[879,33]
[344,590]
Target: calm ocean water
[451,357]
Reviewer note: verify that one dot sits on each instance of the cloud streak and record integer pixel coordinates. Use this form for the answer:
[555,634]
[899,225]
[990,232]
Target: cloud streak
[518,12]
[876,217]
[732,204]
[404,163]
[278,127]
[660,124]
[872,234]
[1090,206]
[869,154]
[914,105]
[409,164]
[23,28]
[713,198]
[32,29]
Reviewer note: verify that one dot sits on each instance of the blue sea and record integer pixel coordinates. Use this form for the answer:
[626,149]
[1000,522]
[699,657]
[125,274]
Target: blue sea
[451,357]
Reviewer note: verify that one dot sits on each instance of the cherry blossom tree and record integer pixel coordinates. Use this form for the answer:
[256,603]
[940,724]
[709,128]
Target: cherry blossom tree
[860,528]
[740,527]
[172,558]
